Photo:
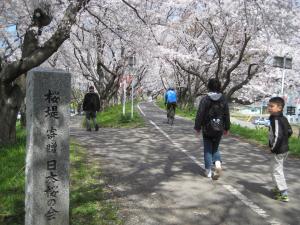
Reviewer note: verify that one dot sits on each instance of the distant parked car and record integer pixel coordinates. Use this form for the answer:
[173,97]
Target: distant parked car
[72,112]
[262,121]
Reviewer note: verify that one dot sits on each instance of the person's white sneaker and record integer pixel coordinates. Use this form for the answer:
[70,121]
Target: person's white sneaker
[218,170]
[218,164]
[208,173]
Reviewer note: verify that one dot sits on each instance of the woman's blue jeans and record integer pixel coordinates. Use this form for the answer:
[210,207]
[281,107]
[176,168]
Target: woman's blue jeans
[211,151]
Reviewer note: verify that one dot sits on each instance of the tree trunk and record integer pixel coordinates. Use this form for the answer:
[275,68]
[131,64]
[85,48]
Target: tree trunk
[185,100]
[116,99]
[10,101]
[104,103]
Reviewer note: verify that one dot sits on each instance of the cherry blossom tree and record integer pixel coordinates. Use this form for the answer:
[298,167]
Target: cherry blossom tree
[41,27]
[229,40]
[179,43]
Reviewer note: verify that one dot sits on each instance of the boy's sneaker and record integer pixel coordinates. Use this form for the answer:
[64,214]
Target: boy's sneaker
[281,197]
[218,170]
[275,191]
[89,129]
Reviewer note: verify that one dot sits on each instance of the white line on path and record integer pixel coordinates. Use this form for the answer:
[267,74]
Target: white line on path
[231,189]
[177,145]
[251,205]
[141,110]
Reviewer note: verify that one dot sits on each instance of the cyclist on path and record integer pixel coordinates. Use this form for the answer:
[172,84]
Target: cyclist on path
[170,103]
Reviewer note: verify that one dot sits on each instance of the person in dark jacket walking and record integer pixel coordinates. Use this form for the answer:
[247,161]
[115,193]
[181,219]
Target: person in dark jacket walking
[214,121]
[279,133]
[91,104]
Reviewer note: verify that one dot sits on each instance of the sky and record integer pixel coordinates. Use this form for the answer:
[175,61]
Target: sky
[11,29]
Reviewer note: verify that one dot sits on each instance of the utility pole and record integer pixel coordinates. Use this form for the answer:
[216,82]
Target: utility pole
[131,63]
[124,95]
[283,75]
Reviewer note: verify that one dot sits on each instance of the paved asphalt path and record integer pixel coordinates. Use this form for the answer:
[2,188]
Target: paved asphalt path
[156,175]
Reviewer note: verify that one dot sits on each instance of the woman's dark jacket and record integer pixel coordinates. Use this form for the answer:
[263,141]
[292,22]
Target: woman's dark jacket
[279,133]
[205,103]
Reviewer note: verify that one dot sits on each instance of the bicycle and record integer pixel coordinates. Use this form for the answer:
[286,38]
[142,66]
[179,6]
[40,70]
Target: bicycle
[171,112]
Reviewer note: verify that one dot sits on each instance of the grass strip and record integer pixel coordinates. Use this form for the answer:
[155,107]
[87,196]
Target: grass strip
[87,199]
[87,203]
[113,117]
[12,184]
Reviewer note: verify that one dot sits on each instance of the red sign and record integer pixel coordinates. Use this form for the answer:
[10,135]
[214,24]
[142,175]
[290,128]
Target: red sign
[126,79]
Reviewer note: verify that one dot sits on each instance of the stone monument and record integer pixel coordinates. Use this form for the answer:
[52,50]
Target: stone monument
[47,148]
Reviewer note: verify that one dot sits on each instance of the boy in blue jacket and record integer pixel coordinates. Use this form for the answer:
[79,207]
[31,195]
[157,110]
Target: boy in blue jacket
[279,133]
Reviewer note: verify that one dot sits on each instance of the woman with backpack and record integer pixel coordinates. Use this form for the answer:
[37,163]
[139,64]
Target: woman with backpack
[214,121]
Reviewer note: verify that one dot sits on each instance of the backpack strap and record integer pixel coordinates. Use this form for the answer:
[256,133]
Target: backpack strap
[207,108]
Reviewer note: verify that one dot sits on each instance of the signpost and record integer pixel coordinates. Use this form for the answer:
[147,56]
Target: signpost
[126,79]
[124,95]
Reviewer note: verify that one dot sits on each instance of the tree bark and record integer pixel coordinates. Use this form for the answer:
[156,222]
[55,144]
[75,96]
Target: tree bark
[10,101]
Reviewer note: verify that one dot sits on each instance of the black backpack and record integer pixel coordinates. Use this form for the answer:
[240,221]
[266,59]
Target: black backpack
[214,123]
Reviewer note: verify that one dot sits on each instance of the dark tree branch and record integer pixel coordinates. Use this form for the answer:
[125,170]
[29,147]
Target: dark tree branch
[190,71]
[138,15]
[250,75]
[237,63]
[15,69]
[135,11]
[104,24]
